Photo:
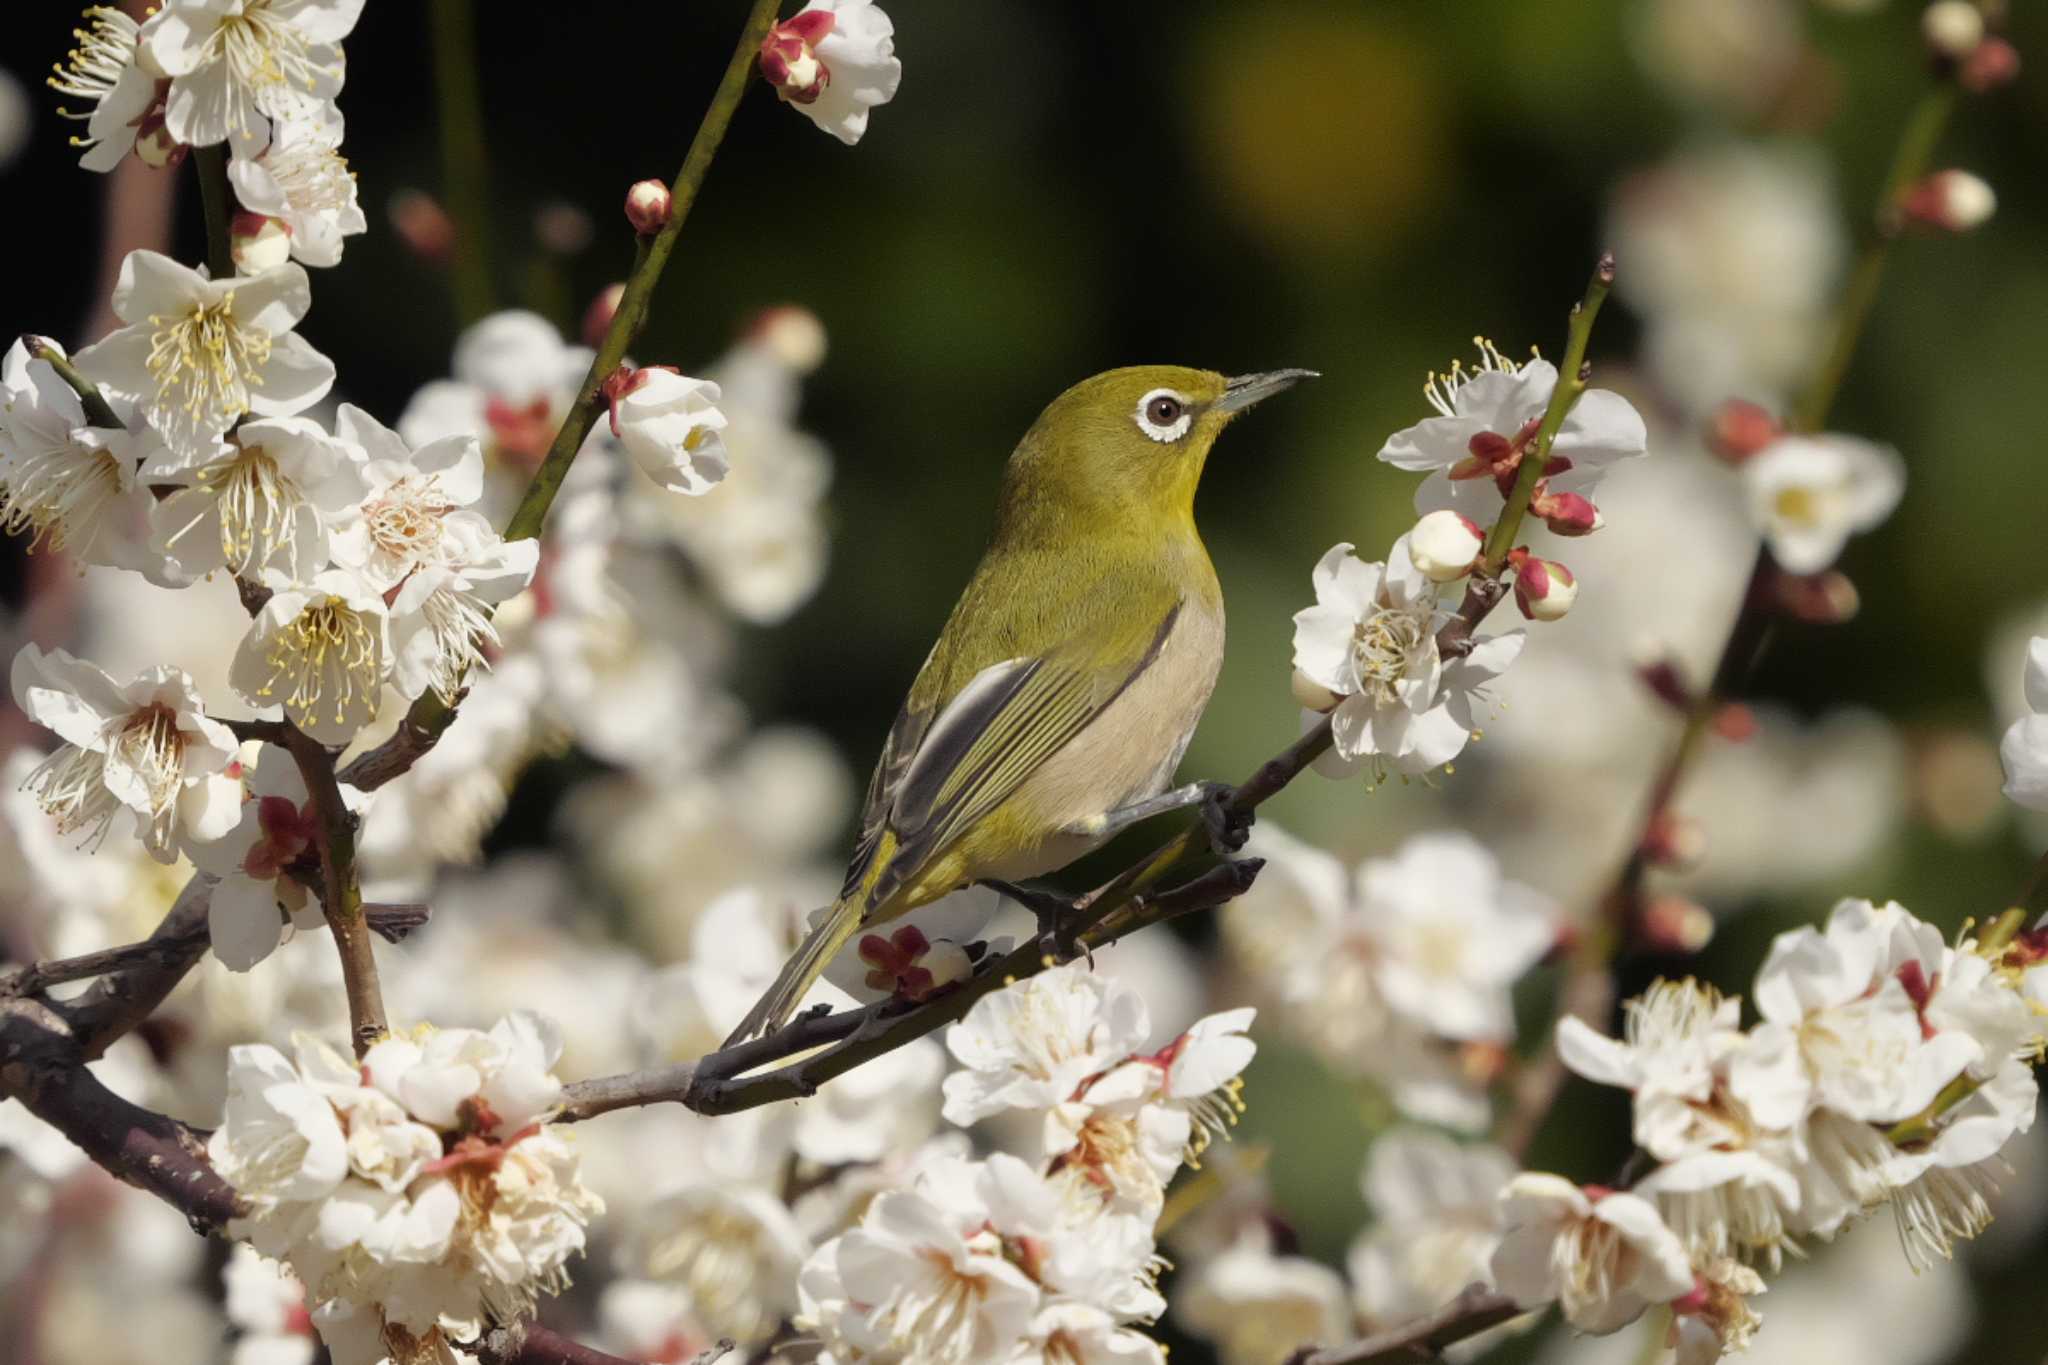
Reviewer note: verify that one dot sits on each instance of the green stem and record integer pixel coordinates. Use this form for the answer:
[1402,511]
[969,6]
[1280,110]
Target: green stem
[219,203]
[1571,382]
[98,412]
[1909,163]
[1927,1122]
[632,315]
[463,165]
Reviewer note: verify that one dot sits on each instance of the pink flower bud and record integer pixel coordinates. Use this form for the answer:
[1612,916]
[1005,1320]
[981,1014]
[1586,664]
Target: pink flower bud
[647,207]
[1674,925]
[258,243]
[1736,722]
[1566,514]
[1445,545]
[1666,683]
[789,58]
[597,318]
[1740,429]
[1544,588]
[1949,201]
[1312,694]
[423,225]
[1673,841]
[1995,63]
[1827,598]
[1952,29]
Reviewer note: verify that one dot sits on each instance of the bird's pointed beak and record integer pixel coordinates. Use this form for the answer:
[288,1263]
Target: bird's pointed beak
[1244,390]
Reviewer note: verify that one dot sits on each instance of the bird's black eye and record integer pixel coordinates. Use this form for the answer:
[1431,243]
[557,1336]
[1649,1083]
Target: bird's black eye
[1164,410]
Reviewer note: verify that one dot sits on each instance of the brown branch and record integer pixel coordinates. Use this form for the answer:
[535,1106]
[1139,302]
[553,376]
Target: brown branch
[335,837]
[118,1002]
[529,1343]
[1476,1308]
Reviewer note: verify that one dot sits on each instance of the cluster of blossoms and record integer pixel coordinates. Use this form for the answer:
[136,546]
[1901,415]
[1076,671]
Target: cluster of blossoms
[1050,1259]
[1400,972]
[1370,652]
[1887,1068]
[420,1197]
[258,75]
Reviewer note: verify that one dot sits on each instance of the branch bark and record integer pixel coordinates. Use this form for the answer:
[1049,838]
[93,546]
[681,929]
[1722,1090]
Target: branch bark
[1474,1310]
[342,901]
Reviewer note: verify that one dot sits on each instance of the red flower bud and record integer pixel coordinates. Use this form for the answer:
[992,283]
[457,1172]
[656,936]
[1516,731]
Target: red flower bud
[1740,429]
[1566,514]
[1949,201]
[789,58]
[597,318]
[1995,63]
[647,206]
[1544,588]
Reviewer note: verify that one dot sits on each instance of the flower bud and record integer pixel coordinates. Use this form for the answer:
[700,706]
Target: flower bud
[1666,683]
[792,334]
[423,225]
[1736,722]
[258,243]
[1995,63]
[1544,589]
[1674,924]
[647,206]
[1827,598]
[1950,201]
[1952,29]
[1673,841]
[1445,545]
[789,58]
[562,228]
[1312,694]
[597,318]
[1740,429]
[1566,514]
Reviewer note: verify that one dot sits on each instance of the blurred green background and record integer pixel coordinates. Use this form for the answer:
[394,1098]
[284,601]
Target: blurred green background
[1064,187]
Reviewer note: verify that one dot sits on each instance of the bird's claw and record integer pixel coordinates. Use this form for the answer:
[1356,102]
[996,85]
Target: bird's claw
[1056,938]
[1228,826]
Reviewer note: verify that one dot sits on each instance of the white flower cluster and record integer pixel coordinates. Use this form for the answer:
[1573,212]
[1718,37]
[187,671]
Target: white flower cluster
[1887,1069]
[1367,652]
[2024,750]
[419,1196]
[1400,972]
[259,75]
[1051,1260]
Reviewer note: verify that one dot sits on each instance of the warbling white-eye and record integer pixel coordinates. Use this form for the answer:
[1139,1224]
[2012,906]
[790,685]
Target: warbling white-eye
[1066,684]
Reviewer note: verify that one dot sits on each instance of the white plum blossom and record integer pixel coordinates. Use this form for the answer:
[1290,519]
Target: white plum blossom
[268,1309]
[1370,640]
[735,1251]
[2024,749]
[1676,1036]
[1436,1221]
[1603,1257]
[253,503]
[514,379]
[197,353]
[1454,934]
[234,65]
[1809,494]
[255,900]
[322,651]
[1031,1044]
[106,71]
[1258,1307]
[146,746]
[301,180]
[280,1140]
[669,424]
[1487,422]
[407,509]
[72,486]
[834,60]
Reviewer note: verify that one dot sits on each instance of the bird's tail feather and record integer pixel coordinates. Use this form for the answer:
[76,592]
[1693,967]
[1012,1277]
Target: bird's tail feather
[775,1006]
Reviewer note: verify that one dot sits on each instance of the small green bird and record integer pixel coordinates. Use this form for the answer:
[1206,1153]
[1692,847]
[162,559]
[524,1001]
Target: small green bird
[1066,684]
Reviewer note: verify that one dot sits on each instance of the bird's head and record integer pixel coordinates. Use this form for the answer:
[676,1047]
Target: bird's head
[1130,443]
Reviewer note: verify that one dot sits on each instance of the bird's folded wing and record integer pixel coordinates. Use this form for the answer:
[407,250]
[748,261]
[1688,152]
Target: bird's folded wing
[938,776]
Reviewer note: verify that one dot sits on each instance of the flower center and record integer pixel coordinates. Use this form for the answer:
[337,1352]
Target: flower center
[326,652]
[945,1324]
[59,491]
[1799,506]
[104,51]
[720,1257]
[405,522]
[264,50]
[205,361]
[152,745]
[256,501]
[1383,644]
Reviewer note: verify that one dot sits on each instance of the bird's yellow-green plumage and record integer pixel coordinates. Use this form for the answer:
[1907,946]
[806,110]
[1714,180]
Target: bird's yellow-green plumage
[1069,677]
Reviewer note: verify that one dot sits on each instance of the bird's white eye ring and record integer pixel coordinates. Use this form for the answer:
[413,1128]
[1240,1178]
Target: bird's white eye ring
[1164,415]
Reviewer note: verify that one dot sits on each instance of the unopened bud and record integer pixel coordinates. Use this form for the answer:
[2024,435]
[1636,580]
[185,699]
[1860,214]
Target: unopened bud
[1736,722]
[1994,64]
[1445,545]
[792,334]
[1950,201]
[1665,682]
[597,318]
[423,225]
[562,228]
[1544,589]
[1567,514]
[1827,598]
[1740,429]
[1673,841]
[789,58]
[1674,924]
[1313,694]
[258,243]
[1952,28]
[647,206]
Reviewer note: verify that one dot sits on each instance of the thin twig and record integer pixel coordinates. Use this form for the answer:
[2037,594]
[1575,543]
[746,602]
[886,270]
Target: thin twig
[335,838]
[98,412]
[1476,1308]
